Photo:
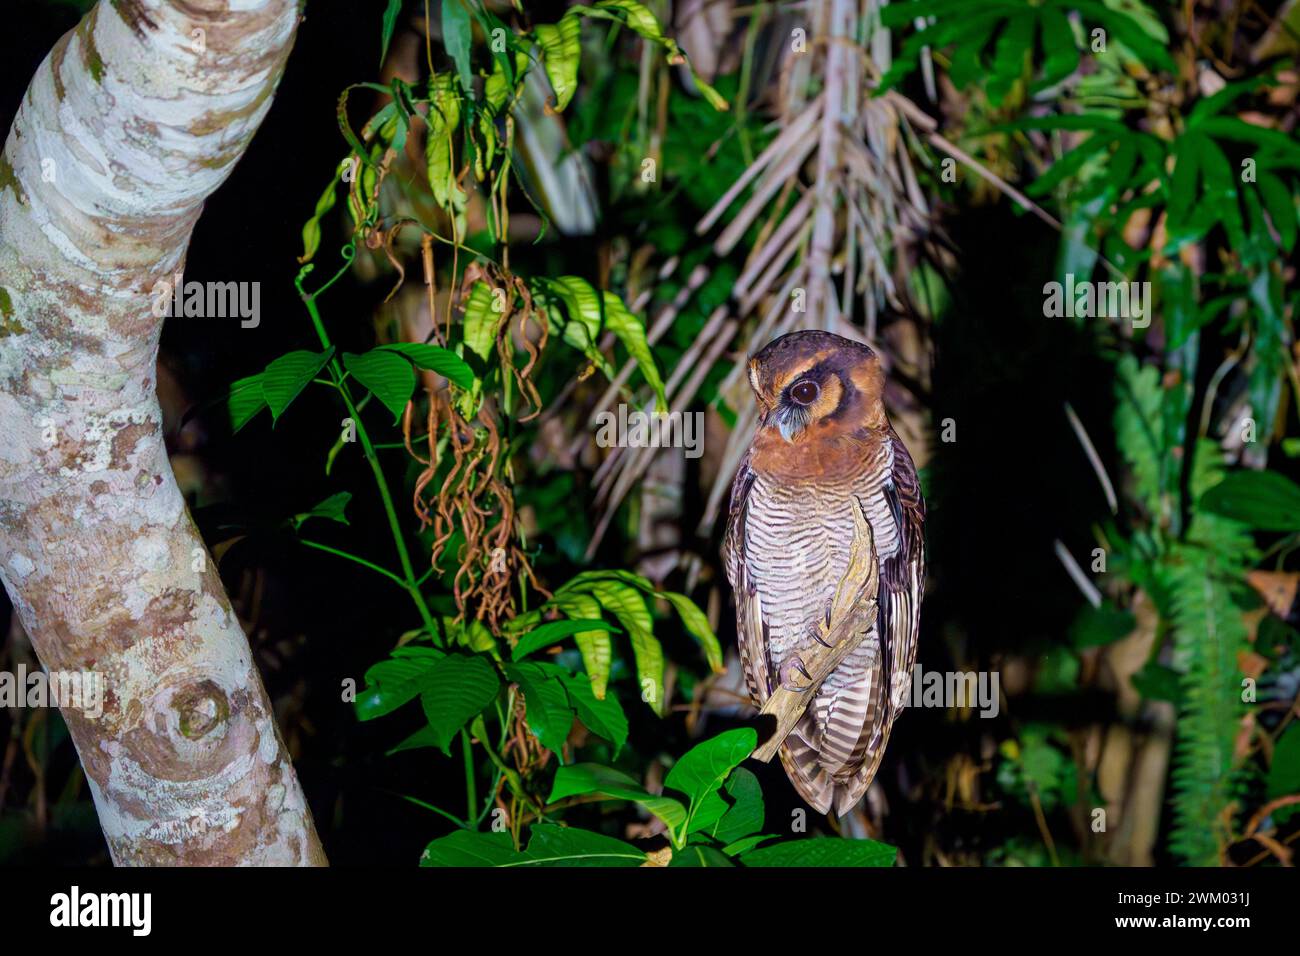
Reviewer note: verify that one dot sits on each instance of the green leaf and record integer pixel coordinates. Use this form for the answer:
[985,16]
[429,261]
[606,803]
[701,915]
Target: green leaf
[436,359]
[456,36]
[629,607]
[697,623]
[424,737]
[1096,626]
[561,51]
[585,778]
[311,228]
[1061,56]
[639,17]
[604,717]
[547,704]
[288,375]
[568,846]
[390,684]
[1284,774]
[482,320]
[745,814]
[596,647]
[439,149]
[699,856]
[390,22]
[553,631]
[702,769]
[456,689]
[550,846]
[332,508]
[467,848]
[1280,204]
[386,373]
[631,332]
[1158,682]
[822,852]
[1264,500]
[245,401]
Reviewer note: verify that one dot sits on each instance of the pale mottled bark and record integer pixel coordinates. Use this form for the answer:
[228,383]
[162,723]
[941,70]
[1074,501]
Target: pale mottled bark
[129,124]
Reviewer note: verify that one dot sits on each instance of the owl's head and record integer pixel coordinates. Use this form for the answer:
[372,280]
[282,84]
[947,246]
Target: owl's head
[805,378]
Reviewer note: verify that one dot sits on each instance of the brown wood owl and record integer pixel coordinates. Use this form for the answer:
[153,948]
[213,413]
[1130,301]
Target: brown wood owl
[823,447]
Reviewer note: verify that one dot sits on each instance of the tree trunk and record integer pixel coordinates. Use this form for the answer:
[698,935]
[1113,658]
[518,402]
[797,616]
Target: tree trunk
[130,124]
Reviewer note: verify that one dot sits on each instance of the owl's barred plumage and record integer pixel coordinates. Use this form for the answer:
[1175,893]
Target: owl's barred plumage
[823,447]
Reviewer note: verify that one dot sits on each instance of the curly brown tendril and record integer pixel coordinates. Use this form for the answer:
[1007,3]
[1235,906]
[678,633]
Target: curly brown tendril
[475,496]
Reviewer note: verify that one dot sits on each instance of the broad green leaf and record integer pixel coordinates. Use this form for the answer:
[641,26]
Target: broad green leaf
[561,51]
[424,737]
[702,769]
[583,306]
[547,704]
[745,844]
[700,856]
[455,690]
[604,717]
[553,631]
[333,508]
[822,852]
[246,400]
[744,816]
[386,373]
[436,359]
[482,321]
[288,375]
[595,645]
[568,846]
[439,151]
[697,623]
[627,577]
[584,778]
[390,684]
[1264,500]
[456,37]
[467,848]
[550,846]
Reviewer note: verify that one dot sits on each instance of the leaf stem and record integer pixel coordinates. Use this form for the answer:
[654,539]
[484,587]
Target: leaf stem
[336,369]
[359,560]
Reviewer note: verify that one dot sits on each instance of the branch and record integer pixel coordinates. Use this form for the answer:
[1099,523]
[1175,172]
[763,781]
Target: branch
[853,612]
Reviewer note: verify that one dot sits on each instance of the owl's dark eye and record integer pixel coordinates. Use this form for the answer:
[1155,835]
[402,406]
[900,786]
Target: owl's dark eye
[805,393]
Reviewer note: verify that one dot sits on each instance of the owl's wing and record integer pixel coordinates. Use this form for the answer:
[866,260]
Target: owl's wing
[751,631]
[902,575]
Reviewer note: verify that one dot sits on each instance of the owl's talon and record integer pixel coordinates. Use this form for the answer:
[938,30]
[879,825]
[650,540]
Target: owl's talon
[796,664]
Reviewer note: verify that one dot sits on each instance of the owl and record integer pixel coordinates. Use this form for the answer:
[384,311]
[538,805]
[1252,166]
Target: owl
[823,447]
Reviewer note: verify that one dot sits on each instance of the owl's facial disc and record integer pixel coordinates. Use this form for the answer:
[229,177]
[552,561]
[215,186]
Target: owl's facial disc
[809,398]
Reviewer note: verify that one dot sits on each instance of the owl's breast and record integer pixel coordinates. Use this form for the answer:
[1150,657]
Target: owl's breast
[797,541]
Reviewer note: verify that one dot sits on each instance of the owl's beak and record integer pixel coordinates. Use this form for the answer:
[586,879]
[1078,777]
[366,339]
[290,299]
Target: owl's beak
[791,422]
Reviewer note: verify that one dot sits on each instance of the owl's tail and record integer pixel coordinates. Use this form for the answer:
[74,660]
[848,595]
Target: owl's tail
[815,784]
